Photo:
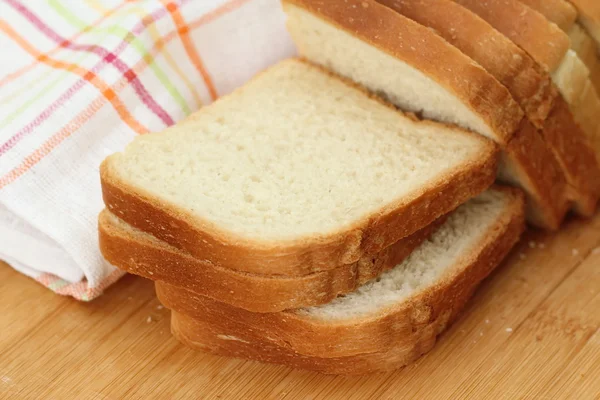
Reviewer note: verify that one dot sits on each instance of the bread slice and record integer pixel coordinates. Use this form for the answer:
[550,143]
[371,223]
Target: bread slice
[296,172]
[142,254]
[417,70]
[584,45]
[525,79]
[571,77]
[529,29]
[529,84]
[386,323]
[543,40]
[587,50]
[589,104]
[589,17]
[560,12]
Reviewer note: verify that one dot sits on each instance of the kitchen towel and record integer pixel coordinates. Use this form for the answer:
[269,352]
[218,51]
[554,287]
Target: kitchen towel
[79,79]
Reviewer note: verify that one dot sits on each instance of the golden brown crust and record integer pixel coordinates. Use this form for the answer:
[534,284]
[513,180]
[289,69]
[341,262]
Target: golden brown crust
[528,83]
[206,338]
[398,326]
[589,16]
[544,41]
[139,254]
[540,174]
[386,341]
[560,12]
[189,232]
[577,159]
[425,51]
[587,50]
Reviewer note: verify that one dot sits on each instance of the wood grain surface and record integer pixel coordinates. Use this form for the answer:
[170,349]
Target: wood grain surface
[531,332]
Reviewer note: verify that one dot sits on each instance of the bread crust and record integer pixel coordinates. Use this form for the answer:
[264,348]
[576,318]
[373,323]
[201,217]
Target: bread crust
[206,338]
[589,16]
[560,12]
[528,83]
[389,340]
[143,255]
[425,51]
[529,29]
[399,326]
[539,175]
[184,230]
[576,157]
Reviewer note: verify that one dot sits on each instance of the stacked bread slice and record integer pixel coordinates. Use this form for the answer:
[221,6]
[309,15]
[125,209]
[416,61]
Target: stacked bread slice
[337,211]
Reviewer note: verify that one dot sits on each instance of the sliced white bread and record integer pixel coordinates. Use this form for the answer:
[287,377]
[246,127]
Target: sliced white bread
[571,77]
[560,12]
[296,172]
[387,322]
[419,71]
[526,80]
[589,17]
[587,50]
[547,45]
[140,253]
[589,119]
[542,39]
[564,14]
[529,29]
[584,45]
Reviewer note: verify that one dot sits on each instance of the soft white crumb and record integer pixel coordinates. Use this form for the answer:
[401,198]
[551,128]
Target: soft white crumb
[148,320]
[509,330]
[575,252]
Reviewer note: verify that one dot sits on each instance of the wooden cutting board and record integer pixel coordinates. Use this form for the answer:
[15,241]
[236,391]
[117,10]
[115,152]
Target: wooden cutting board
[531,332]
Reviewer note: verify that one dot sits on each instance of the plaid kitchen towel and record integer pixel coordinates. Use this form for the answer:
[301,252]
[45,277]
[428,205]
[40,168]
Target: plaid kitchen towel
[78,80]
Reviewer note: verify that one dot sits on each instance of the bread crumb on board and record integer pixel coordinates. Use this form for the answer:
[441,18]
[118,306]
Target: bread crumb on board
[509,330]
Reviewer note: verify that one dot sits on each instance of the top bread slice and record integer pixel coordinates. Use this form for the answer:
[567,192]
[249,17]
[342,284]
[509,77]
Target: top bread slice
[401,310]
[419,71]
[295,172]
[526,80]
